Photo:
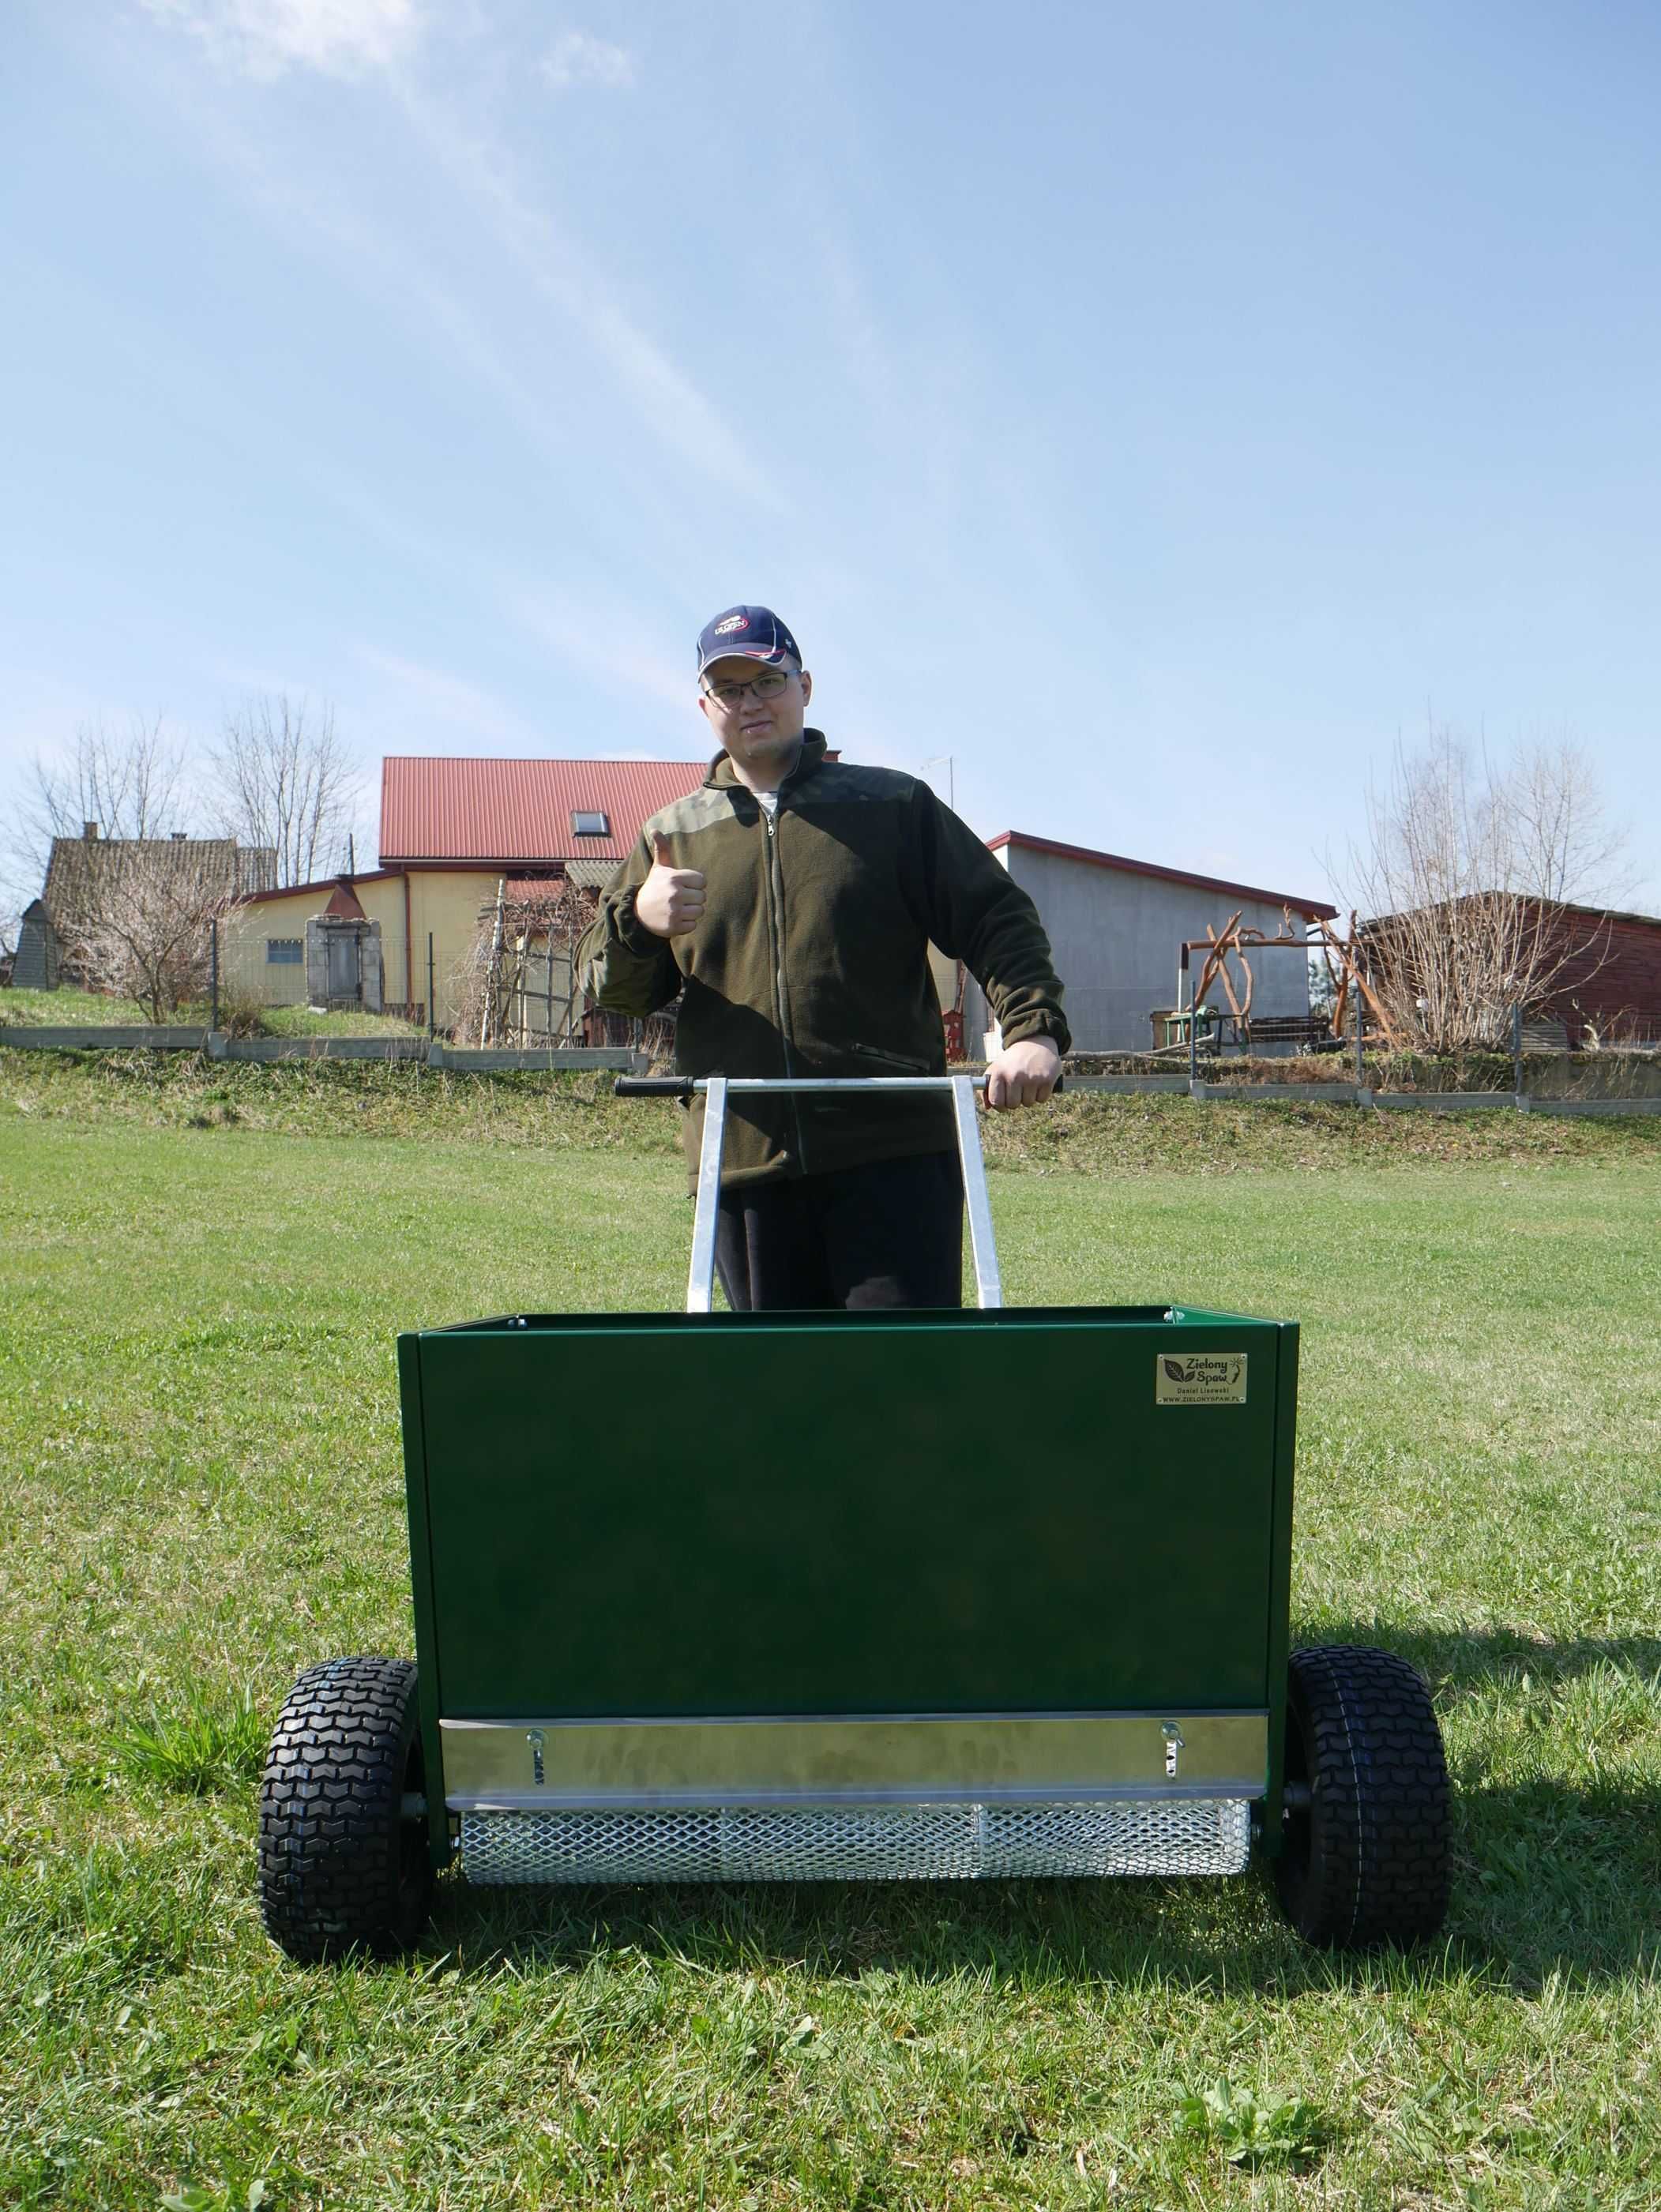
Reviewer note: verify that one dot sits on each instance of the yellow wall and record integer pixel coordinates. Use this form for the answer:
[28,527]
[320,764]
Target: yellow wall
[448,903]
[384,902]
[243,968]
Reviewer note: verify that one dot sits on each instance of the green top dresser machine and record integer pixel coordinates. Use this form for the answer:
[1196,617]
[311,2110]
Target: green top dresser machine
[726,1597]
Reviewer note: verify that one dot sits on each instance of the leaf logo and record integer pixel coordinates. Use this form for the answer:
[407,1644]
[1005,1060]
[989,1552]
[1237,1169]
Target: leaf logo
[1175,1370]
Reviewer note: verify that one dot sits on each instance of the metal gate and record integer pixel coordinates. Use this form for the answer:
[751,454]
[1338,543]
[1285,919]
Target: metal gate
[345,957]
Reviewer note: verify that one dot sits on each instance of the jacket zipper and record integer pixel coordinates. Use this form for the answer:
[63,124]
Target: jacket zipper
[776,900]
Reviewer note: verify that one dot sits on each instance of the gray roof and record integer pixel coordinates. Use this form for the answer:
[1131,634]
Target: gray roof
[218,866]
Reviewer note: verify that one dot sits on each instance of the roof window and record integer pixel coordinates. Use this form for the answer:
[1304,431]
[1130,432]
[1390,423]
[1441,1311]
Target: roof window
[592,823]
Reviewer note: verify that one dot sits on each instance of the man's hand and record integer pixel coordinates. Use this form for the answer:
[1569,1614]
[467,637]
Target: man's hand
[1024,1075]
[670,902]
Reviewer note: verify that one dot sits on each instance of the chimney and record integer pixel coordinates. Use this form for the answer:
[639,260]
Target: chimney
[90,832]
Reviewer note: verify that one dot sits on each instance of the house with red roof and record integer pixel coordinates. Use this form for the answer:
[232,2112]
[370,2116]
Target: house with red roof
[457,837]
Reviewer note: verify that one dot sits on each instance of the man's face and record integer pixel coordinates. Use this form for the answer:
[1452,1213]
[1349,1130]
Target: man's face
[758,726]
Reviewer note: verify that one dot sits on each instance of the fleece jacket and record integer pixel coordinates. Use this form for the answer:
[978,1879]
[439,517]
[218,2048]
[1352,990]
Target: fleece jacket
[811,956]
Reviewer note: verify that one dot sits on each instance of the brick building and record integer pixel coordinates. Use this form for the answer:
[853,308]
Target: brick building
[1610,987]
[1606,987]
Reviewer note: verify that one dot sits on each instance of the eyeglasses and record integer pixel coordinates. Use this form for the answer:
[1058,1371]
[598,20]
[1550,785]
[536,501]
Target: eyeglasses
[767,685]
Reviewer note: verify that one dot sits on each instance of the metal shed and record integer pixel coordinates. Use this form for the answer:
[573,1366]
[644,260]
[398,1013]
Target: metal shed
[1116,926]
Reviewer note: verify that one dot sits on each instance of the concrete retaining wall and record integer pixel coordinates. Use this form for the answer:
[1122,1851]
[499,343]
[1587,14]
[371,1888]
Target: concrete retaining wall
[104,1039]
[1340,1094]
[1591,1105]
[490,1060]
[1443,1102]
[1127,1083]
[220,1046]
[621,1061]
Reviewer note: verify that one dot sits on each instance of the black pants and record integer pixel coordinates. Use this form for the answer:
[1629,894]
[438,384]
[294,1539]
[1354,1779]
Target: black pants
[887,1235]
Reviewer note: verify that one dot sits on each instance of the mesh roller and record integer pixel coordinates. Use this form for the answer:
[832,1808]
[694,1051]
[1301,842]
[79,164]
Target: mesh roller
[901,1843]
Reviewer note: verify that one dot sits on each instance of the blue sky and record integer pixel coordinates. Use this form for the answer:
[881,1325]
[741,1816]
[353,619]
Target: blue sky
[1157,411]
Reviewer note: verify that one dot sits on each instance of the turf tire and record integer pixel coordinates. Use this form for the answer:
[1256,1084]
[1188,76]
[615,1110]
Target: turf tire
[340,1866]
[1365,1862]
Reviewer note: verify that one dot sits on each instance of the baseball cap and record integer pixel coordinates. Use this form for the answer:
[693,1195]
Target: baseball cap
[750,633]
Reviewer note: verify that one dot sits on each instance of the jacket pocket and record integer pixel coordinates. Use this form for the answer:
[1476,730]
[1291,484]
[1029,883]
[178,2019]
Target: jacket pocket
[911,1065]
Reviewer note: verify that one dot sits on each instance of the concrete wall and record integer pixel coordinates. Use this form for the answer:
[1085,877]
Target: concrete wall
[1115,936]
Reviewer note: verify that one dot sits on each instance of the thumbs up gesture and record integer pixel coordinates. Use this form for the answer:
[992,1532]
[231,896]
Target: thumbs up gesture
[670,903]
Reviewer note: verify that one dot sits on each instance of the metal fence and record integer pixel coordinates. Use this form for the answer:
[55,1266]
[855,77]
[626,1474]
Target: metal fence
[518,993]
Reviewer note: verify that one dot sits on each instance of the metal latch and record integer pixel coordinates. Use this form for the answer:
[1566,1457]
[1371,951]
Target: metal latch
[1173,1744]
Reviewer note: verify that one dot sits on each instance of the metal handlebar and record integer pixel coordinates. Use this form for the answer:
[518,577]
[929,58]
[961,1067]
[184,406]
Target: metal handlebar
[715,1090]
[684,1087]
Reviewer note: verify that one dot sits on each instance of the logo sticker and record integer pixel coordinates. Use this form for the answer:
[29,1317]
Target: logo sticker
[1199,1378]
[732,622]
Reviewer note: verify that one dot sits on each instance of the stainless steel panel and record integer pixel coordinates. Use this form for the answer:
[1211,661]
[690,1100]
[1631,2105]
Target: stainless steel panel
[533,1763]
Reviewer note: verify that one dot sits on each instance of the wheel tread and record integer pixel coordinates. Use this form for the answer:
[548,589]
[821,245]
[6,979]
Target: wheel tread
[1374,1868]
[333,1872]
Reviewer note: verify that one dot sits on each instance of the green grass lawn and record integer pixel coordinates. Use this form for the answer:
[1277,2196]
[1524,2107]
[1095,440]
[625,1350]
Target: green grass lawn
[200,1435]
[68,1008]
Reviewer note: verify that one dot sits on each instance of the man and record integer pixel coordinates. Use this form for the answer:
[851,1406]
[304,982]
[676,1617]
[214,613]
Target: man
[790,902]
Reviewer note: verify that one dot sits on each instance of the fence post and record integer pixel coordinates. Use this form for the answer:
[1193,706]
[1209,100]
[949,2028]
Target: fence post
[213,972]
[432,1011]
[1516,1054]
[1361,1063]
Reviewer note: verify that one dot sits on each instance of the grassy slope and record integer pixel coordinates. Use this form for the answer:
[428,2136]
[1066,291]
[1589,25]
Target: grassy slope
[1085,1132]
[199,1430]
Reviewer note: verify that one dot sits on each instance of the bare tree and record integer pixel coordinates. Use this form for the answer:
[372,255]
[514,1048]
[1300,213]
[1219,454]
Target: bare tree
[285,780]
[1467,872]
[136,925]
[130,782]
[1564,845]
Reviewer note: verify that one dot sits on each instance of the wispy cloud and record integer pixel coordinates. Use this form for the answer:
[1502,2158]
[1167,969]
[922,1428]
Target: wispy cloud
[607,641]
[577,58]
[263,38]
[453,702]
[680,416]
